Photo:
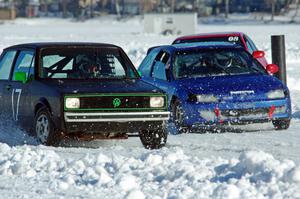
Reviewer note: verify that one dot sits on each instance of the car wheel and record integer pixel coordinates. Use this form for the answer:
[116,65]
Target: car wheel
[44,127]
[177,117]
[281,124]
[153,139]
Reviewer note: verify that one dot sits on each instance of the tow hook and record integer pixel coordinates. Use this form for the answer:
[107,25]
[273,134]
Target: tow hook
[271,111]
[218,115]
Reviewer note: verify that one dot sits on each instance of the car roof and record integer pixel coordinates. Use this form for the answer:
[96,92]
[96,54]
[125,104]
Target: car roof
[207,35]
[200,45]
[60,44]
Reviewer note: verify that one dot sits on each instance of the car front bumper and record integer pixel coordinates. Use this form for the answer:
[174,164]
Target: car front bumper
[236,112]
[114,122]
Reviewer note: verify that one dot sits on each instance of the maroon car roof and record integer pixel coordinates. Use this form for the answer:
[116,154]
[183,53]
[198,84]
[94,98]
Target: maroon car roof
[207,35]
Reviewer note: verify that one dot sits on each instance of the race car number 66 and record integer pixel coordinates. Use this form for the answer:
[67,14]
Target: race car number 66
[15,110]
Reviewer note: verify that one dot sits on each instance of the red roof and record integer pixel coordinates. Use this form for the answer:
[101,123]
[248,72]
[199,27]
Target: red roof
[207,35]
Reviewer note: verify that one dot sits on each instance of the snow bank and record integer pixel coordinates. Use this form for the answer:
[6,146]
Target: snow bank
[151,174]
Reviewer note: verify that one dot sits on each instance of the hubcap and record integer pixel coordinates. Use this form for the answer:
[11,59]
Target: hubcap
[42,128]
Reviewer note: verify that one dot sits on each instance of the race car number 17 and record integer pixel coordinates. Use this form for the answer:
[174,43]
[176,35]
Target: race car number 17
[15,96]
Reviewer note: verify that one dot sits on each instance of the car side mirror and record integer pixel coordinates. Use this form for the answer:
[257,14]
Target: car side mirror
[20,77]
[272,68]
[258,54]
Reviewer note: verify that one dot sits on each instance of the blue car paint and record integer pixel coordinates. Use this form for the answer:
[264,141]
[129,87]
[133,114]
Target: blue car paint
[220,86]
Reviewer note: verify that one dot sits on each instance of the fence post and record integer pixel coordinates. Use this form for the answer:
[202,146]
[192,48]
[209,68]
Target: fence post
[278,55]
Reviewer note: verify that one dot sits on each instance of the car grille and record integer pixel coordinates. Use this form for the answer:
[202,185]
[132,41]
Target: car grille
[244,112]
[116,102]
[107,102]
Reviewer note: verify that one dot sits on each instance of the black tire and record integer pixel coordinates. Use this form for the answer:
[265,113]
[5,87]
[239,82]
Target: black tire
[177,118]
[153,139]
[281,124]
[43,123]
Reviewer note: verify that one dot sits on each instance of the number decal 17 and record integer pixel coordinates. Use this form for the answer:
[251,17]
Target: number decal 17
[15,110]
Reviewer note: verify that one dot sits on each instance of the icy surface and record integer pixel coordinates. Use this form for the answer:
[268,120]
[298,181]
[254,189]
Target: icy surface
[254,164]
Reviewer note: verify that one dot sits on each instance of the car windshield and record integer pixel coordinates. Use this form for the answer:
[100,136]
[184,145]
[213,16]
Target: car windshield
[214,62]
[229,39]
[84,63]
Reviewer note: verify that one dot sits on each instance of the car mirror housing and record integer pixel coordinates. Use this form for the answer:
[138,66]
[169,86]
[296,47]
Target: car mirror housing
[272,68]
[20,77]
[258,54]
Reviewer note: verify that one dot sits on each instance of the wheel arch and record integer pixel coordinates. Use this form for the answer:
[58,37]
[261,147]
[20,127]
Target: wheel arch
[43,102]
[173,99]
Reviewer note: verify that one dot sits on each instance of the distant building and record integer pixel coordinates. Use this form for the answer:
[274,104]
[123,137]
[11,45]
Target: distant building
[7,10]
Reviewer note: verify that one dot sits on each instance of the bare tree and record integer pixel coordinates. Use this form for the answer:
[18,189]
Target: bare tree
[226,8]
[64,8]
[273,9]
[296,11]
[173,2]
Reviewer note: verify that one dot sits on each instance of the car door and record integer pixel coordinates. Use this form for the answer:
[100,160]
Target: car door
[19,109]
[160,72]
[154,70]
[6,62]
[145,67]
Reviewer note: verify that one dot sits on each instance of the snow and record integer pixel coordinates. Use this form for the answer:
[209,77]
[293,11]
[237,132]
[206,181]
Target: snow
[259,163]
[166,173]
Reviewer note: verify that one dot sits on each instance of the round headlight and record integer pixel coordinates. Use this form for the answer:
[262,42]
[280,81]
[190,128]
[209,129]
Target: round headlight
[72,102]
[157,102]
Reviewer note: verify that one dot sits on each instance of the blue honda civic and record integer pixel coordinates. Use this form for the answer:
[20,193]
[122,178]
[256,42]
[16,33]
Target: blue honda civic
[214,85]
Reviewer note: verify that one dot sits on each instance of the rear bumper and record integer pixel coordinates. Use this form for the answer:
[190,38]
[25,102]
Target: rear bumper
[114,122]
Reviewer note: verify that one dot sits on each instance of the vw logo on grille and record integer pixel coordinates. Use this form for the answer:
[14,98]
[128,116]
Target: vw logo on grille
[116,102]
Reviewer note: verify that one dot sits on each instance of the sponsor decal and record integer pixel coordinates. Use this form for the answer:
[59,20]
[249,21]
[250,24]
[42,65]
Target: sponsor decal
[248,92]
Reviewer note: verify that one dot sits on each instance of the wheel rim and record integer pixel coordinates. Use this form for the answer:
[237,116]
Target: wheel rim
[42,128]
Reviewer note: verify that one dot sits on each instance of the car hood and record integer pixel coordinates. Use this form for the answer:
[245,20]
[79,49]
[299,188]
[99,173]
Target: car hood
[253,85]
[101,86]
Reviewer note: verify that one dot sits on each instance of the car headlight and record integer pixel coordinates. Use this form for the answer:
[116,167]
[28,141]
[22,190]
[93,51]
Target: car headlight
[276,94]
[72,102]
[157,102]
[206,98]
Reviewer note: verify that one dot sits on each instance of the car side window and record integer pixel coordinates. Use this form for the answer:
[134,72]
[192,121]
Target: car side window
[146,65]
[249,46]
[160,65]
[24,63]
[252,43]
[6,63]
